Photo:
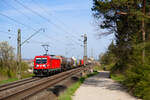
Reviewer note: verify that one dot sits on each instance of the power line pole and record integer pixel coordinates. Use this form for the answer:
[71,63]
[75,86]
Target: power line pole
[19,45]
[85,49]
[19,54]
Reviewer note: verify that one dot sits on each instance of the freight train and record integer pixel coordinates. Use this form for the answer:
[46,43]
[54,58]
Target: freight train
[50,64]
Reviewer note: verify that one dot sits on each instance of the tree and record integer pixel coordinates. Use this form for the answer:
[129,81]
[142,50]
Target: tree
[124,18]
[109,57]
[6,51]
[6,54]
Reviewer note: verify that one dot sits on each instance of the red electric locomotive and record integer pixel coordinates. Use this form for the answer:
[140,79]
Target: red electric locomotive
[45,65]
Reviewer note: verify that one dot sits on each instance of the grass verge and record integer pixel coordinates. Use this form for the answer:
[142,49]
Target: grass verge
[67,95]
[118,77]
[15,79]
[8,80]
[97,68]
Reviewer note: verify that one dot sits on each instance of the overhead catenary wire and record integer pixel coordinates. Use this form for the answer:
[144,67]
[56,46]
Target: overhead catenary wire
[57,19]
[22,12]
[18,12]
[48,37]
[38,14]
[4,2]
[16,21]
[8,33]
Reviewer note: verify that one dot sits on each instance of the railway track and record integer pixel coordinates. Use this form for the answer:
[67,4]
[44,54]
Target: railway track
[17,83]
[25,89]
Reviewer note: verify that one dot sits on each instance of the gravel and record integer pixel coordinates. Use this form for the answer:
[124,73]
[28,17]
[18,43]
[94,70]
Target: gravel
[101,87]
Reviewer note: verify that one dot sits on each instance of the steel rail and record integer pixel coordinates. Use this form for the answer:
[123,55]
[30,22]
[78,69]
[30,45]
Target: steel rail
[14,82]
[17,83]
[50,84]
[31,88]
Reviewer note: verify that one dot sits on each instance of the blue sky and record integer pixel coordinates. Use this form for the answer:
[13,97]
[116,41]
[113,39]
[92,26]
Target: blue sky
[67,21]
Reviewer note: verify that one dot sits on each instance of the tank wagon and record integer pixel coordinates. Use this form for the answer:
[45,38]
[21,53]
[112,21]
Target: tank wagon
[50,64]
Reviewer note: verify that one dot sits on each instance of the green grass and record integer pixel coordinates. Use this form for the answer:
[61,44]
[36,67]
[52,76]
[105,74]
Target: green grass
[118,77]
[97,68]
[27,75]
[69,92]
[15,79]
[107,67]
[8,81]
[67,95]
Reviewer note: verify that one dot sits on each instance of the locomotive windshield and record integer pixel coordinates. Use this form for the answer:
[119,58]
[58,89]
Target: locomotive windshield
[41,60]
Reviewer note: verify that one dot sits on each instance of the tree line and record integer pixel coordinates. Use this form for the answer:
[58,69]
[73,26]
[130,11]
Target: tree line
[129,54]
[8,62]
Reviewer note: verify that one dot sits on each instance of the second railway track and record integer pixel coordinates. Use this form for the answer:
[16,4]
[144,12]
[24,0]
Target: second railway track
[28,89]
[17,83]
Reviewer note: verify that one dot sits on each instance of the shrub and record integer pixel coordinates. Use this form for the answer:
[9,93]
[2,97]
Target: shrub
[138,80]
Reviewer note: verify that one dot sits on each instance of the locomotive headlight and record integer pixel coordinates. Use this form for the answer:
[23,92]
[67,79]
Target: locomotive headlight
[44,65]
[37,65]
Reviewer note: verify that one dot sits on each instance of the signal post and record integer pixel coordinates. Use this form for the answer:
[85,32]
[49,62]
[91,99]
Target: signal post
[85,49]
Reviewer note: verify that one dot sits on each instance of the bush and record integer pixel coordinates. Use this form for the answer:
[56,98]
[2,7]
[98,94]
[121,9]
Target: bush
[147,93]
[138,80]
[11,72]
[97,68]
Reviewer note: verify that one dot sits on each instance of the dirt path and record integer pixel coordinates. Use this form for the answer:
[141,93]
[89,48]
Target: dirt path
[100,87]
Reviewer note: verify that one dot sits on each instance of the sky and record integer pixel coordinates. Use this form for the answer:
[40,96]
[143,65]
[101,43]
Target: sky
[63,23]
